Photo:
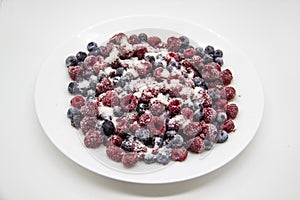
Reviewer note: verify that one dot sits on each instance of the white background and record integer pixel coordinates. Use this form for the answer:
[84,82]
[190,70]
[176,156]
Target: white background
[32,168]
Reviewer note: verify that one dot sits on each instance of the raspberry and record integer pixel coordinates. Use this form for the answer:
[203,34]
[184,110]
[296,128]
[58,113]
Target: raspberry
[190,52]
[210,73]
[104,85]
[196,145]
[105,51]
[90,110]
[207,100]
[157,108]
[231,110]
[115,153]
[144,68]
[89,61]
[187,113]
[144,119]
[129,102]
[154,41]
[228,126]
[97,67]
[110,99]
[131,117]
[220,104]
[158,74]
[192,129]
[179,154]
[157,126]
[122,126]
[211,131]
[174,123]
[172,56]
[228,93]
[226,76]
[115,140]
[125,53]
[88,123]
[175,91]
[77,101]
[118,38]
[173,44]
[209,115]
[148,94]
[130,159]
[134,39]
[140,52]
[74,71]
[93,139]
[175,106]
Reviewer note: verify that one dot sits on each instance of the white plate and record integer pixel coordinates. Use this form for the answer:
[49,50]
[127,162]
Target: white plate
[52,102]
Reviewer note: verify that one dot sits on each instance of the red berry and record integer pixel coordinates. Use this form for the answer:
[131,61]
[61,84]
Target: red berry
[134,127]
[89,61]
[88,123]
[104,85]
[134,39]
[220,104]
[160,74]
[140,52]
[74,71]
[175,91]
[187,113]
[90,110]
[106,50]
[228,126]
[226,76]
[118,38]
[110,99]
[179,154]
[190,52]
[122,126]
[125,53]
[154,41]
[143,68]
[210,73]
[211,131]
[131,117]
[115,153]
[196,145]
[192,129]
[129,102]
[157,108]
[171,56]
[144,119]
[77,101]
[231,110]
[93,139]
[130,159]
[175,106]
[115,140]
[148,94]
[228,93]
[209,115]
[157,126]
[173,44]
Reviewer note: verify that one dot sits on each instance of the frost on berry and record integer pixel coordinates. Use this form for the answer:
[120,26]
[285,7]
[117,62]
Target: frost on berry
[154,41]
[173,44]
[133,39]
[74,71]
[157,126]
[192,129]
[88,123]
[231,110]
[115,153]
[179,154]
[110,99]
[209,115]
[104,85]
[196,145]
[93,139]
[228,126]
[130,159]
[129,102]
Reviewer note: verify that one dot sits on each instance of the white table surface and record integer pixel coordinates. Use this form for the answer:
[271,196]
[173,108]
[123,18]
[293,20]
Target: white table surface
[32,168]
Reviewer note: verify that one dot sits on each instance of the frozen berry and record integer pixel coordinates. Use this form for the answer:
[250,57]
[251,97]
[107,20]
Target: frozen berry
[149,158]
[184,41]
[157,108]
[93,139]
[176,141]
[154,41]
[73,88]
[104,85]
[144,119]
[198,81]
[143,68]
[118,38]
[141,108]
[142,134]
[209,50]
[81,56]
[115,140]
[129,102]
[214,93]
[150,59]
[191,129]
[229,93]
[140,52]
[110,99]
[200,51]
[197,115]
[173,44]
[209,115]
[163,158]
[143,37]
[148,94]
[157,126]
[218,53]
[134,39]
[231,110]
[228,126]
[221,117]
[71,61]
[219,60]
[196,145]
[117,111]
[130,159]
[74,71]
[91,46]
[179,154]
[77,101]
[108,127]
[175,106]
[208,144]
[210,131]
[226,76]
[90,110]
[187,113]
[88,123]
[115,153]
[189,53]
[222,136]
[127,145]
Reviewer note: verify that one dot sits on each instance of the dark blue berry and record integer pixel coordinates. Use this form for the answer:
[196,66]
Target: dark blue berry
[208,144]
[93,84]
[108,127]
[160,57]
[173,64]
[185,74]
[222,136]
[75,121]
[101,75]
[158,141]
[117,110]
[119,71]
[81,56]
[209,50]
[163,158]
[73,88]
[80,63]
[219,60]
[142,134]
[95,52]
[91,46]
[218,53]
[177,141]
[157,64]
[221,117]
[197,115]
[86,74]
[73,112]
[84,91]
[141,108]
[207,59]
[127,145]
[214,93]
[199,51]
[169,134]
[143,37]
[184,41]
[71,61]
[150,59]
[198,81]
[149,158]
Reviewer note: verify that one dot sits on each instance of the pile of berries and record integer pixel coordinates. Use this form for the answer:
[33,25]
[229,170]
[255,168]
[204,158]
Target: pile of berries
[149,100]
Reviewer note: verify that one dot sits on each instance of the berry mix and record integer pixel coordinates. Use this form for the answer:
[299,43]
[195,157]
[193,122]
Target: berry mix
[149,100]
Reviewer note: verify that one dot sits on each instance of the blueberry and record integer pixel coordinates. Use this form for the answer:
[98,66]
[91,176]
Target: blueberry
[84,91]
[150,59]
[218,53]
[185,74]
[160,57]
[81,56]
[222,136]
[197,115]
[221,117]
[86,74]
[208,144]
[116,81]
[158,141]
[95,52]
[184,41]
[177,141]
[162,158]
[108,127]
[127,145]
[199,51]
[91,46]
[73,112]
[93,84]
[219,60]
[90,93]
[127,89]
[75,121]
[149,158]
[209,50]
[198,81]
[207,59]
[101,75]
[117,110]
[173,64]
[73,88]
[169,135]
[142,134]
[143,37]
[141,108]
[80,63]
[119,71]
[214,93]
[157,64]
[71,61]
